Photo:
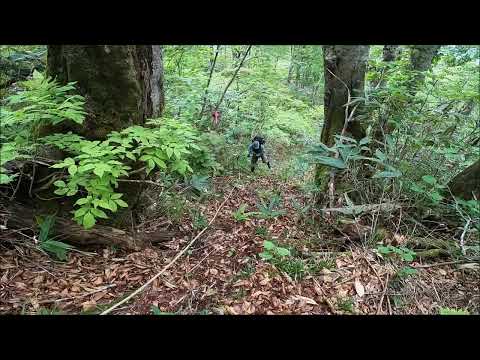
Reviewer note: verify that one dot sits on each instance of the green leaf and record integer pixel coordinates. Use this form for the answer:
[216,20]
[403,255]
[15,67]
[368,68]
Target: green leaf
[100,169]
[60,183]
[121,203]
[116,196]
[72,192]
[282,251]
[266,256]
[449,311]
[364,141]
[81,201]
[88,221]
[113,205]
[268,245]
[72,169]
[429,179]
[99,213]
[332,162]
[380,155]
[62,191]
[69,161]
[80,212]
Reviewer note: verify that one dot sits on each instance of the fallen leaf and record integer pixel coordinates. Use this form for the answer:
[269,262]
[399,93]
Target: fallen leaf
[98,281]
[306,299]
[89,305]
[213,271]
[359,288]
[472,266]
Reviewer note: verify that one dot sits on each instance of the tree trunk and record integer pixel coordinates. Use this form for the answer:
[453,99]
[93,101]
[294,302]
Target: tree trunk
[123,85]
[348,63]
[212,68]
[290,67]
[467,183]
[390,52]
[20,216]
[233,77]
[421,57]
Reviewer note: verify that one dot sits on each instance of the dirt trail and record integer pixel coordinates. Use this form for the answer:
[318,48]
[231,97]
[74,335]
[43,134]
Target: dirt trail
[223,274]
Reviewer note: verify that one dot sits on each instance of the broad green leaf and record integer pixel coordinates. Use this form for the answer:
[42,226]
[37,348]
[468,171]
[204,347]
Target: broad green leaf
[99,213]
[282,251]
[88,221]
[60,183]
[72,169]
[266,256]
[80,212]
[268,245]
[81,201]
[121,203]
[61,191]
[332,162]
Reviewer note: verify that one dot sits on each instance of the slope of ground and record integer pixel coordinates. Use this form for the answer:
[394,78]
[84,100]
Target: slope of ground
[223,274]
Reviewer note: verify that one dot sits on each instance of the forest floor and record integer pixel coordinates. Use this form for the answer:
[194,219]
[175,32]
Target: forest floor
[223,274]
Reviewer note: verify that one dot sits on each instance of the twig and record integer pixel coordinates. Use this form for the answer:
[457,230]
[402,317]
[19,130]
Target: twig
[462,240]
[140,289]
[18,184]
[444,263]
[379,308]
[141,182]
[31,181]
[189,271]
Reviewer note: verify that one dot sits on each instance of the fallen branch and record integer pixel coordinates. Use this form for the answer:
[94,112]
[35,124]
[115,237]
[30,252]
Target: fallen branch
[141,288]
[21,216]
[357,209]
[446,263]
[379,308]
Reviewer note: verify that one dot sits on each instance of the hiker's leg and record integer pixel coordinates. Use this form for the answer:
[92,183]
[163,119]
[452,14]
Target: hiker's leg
[264,159]
[253,162]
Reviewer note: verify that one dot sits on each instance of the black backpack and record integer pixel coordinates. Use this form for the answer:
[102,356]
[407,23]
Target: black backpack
[260,139]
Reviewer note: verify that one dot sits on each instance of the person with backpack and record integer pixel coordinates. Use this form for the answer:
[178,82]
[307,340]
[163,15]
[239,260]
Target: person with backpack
[256,150]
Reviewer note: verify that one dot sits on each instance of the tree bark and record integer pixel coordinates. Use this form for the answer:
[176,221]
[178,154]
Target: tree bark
[20,216]
[348,63]
[467,183]
[212,68]
[123,85]
[421,57]
[390,52]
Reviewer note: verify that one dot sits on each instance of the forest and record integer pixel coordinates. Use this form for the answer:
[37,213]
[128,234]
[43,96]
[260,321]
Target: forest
[239,179]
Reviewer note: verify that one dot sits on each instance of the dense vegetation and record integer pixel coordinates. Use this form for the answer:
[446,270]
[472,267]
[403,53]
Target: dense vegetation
[383,138]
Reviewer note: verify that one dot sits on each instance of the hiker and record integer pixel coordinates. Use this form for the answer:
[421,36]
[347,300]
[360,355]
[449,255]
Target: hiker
[256,151]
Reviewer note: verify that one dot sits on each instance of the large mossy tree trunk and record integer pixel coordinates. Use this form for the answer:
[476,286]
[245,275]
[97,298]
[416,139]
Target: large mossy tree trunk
[348,63]
[123,85]
[467,183]
[344,66]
